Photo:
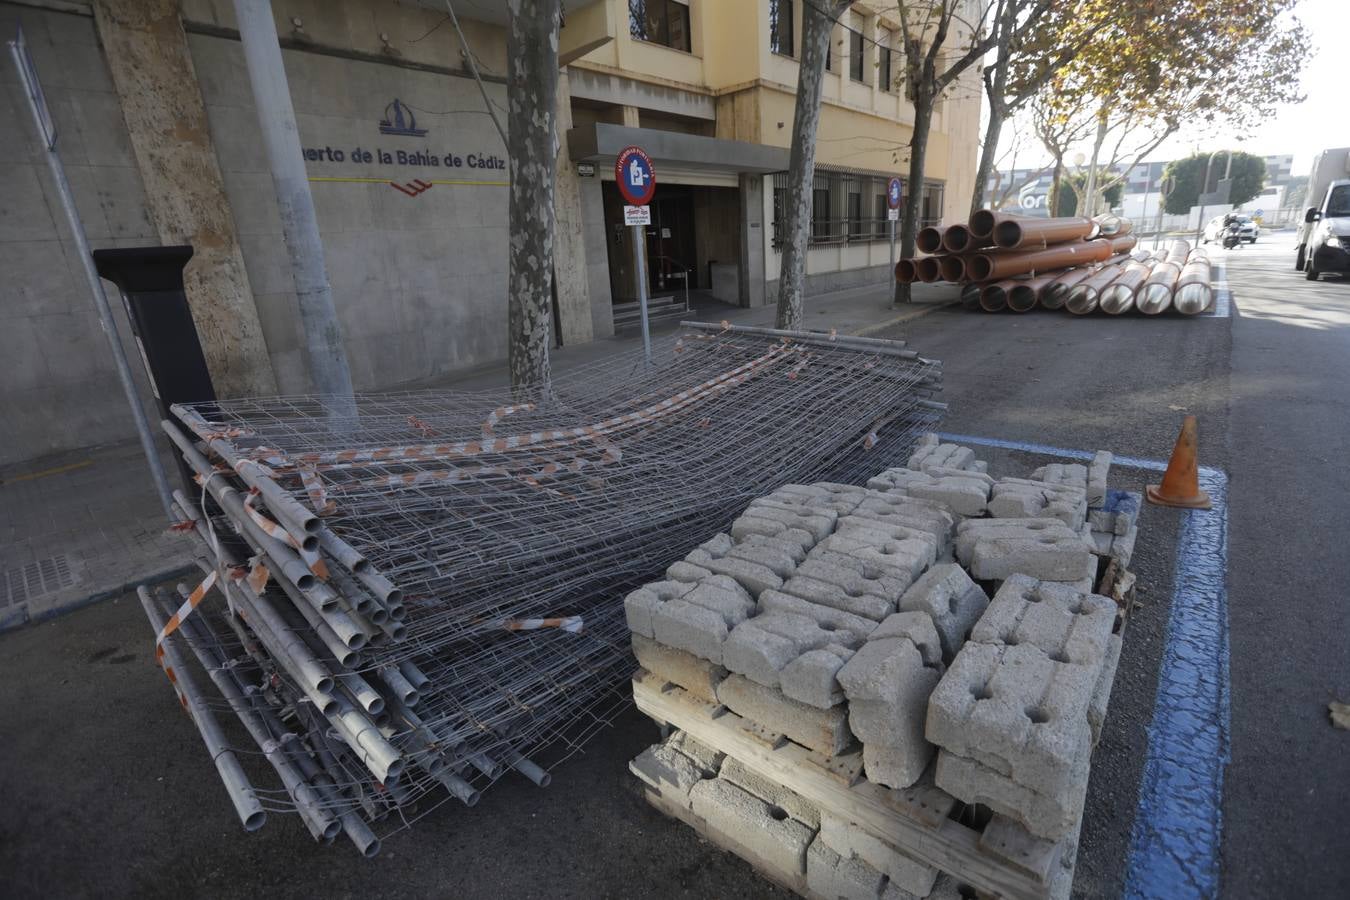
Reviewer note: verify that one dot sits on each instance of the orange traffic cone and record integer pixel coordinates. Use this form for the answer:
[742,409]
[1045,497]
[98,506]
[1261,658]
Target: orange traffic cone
[1181,482]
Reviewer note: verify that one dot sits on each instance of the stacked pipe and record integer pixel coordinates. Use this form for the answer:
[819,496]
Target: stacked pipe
[1009,262]
[402,607]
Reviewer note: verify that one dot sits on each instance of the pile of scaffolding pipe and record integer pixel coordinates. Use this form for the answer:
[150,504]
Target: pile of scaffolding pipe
[402,607]
[1007,262]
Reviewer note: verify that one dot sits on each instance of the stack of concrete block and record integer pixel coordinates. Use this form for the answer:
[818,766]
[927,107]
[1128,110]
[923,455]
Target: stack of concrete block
[1029,498]
[964,492]
[776,830]
[1019,710]
[1114,525]
[1043,548]
[931,453]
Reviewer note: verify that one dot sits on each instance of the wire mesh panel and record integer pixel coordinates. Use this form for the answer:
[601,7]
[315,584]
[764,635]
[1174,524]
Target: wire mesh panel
[427,595]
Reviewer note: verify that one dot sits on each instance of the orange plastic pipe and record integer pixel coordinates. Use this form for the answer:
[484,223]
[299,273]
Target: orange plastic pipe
[993,266]
[1037,234]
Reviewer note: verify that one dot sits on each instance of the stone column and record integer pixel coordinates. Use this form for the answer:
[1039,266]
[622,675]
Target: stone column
[162,105]
[569,246]
[751,268]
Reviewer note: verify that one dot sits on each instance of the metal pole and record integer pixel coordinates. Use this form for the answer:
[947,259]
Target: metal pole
[640,252]
[299,225]
[42,118]
[1204,189]
[891,222]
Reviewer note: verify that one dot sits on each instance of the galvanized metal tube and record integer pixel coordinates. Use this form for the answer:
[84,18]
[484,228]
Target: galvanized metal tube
[483,764]
[1155,294]
[359,690]
[400,686]
[365,740]
[1083,296]
[1178,252]
[458,787]
[414,675]
[527,768]
[319,822]
[1057,291]
[246,804]
[384,590]
[343,552]
[1118,297]
[1193,293]
[1037,234]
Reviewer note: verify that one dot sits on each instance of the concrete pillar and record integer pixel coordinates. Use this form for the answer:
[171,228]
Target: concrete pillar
[751,274]
[630,117]
[569,245]
[147,53]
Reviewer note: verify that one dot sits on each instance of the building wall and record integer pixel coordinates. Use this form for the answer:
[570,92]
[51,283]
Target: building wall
[58,384]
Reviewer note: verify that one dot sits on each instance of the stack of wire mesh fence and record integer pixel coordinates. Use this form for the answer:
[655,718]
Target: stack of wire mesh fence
[402,605]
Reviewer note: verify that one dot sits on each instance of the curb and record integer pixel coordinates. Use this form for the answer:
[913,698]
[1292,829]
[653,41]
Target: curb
[13,623]
[907,316]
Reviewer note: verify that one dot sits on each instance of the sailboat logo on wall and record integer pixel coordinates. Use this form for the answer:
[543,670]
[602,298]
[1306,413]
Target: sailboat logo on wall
[399,119]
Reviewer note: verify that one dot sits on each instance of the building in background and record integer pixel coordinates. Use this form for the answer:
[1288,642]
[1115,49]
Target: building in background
[409,179]
[1028,190]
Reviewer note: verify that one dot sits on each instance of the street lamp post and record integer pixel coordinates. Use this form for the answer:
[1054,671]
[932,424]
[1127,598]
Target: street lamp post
[1204,188]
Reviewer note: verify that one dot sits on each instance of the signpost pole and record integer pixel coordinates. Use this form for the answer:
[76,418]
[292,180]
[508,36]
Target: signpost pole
[891,223]
[640,253]
[893,192]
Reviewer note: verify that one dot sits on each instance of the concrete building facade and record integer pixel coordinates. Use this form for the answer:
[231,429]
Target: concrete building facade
[159,134]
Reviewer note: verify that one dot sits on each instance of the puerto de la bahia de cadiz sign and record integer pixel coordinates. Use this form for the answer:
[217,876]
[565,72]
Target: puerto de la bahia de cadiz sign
[399,121]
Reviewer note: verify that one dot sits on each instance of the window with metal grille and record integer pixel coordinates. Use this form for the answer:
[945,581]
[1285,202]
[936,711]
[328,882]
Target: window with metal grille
[884,73]
[782,38]
[820,214]
[856,60]
[660,22]
[838,207]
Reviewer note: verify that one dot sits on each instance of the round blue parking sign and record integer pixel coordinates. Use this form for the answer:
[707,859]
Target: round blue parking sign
[893,193]
[635,176]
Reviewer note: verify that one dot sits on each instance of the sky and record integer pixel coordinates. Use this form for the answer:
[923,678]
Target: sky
[1321,121]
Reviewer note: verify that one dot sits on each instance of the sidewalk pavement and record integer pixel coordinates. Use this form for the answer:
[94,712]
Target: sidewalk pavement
[83,526]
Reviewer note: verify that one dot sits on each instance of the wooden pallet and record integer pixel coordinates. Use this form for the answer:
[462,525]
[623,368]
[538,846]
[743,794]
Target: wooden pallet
[1001,859]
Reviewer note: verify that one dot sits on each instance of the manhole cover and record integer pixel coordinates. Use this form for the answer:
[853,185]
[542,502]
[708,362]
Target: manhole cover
[46,576]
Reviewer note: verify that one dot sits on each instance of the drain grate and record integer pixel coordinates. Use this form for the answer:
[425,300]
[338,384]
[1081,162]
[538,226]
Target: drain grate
[46,576]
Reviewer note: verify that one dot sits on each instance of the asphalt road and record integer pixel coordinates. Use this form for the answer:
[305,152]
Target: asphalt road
[108,792]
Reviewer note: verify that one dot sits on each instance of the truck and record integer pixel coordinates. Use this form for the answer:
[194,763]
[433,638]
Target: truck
[1328,166]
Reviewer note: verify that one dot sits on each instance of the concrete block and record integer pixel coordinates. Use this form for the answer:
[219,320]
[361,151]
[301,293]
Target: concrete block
[851,596]
[830,876]
[1117,514]
[850,840]
[972,530]
[916,627]
[1053,552]
[931,454]
[692,628]
[1065,624]
[1101,693]
[708,760]
[768,517]
[771,792]
[901,559]
[1017,712]
[1021,498]
[668,771]
[915,512]
[1052,816]
[887,685]
[823,730]
[875,531]
[753,569]
[850,629]
[1070,474]
[964,493]
[722,595]
[779,554]
[641,604]
[686,572]
[697,676]
[813,677]
[768,834]
[951,600]
[759,648]
[840,498]
[1098,471]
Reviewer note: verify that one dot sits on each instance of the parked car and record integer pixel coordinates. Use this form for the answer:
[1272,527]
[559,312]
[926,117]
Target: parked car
[1328,248]
[1247,228]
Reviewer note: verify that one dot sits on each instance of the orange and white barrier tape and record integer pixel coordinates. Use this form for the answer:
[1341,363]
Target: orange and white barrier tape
[502,412]
[196,597]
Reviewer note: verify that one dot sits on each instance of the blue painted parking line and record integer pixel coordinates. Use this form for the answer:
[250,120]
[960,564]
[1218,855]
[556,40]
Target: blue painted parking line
[1178,823]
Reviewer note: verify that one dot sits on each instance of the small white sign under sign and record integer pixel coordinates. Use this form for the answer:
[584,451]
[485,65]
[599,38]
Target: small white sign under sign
[893,215]
[637,215]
